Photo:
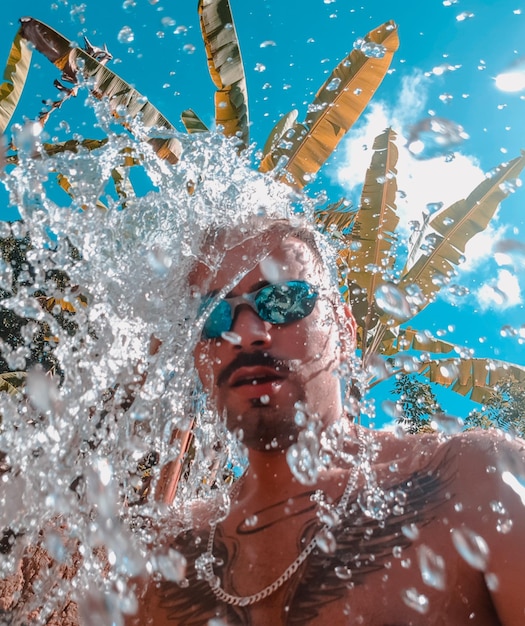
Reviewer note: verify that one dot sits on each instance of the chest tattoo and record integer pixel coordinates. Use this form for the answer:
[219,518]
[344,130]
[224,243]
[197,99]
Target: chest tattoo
[360,543]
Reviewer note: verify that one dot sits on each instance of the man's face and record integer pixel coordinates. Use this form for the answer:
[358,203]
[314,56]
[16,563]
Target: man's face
[261,373]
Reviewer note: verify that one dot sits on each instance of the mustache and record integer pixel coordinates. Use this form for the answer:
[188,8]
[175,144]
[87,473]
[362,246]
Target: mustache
[249,359]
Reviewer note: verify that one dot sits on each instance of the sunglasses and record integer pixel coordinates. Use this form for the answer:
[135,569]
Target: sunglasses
[279,303]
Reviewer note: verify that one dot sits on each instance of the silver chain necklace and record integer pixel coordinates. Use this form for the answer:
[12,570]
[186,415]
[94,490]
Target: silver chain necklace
[207,560]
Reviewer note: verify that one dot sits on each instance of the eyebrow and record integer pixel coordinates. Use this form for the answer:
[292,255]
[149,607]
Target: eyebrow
[255,287]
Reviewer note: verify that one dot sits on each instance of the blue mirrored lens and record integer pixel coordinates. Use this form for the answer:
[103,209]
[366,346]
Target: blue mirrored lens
[286,302]
[281,303]
[219,321]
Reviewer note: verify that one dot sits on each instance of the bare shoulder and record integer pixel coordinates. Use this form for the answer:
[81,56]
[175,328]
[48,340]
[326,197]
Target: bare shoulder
[473,448]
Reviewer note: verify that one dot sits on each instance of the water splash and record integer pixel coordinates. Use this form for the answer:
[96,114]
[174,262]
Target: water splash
[432,567]
[94,462]
[471,546]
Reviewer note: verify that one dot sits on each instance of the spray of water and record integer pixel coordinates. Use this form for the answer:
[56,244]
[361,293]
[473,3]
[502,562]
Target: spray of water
[85,445]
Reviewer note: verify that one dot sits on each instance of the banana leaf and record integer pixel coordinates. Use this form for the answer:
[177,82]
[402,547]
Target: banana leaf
[12,382]
[450,229]
[226,68]
[335,108]
[279,131]
[15,75]
[475,377]
[402,339]
[103,83]
[192,122]
[369,252]
[337,218]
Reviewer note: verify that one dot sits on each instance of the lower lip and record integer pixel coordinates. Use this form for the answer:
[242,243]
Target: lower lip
[259,390]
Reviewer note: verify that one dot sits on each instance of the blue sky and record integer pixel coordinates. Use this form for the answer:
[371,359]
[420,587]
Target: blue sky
[450,54]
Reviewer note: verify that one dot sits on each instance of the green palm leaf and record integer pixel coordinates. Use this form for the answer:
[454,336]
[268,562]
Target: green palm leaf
[226,68]
[337,105]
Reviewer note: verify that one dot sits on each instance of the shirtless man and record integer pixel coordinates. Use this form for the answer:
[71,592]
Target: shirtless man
[415,530]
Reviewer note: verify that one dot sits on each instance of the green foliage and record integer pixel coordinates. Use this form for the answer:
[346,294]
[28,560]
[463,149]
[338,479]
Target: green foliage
[504,409]
[26,342]
[417,402]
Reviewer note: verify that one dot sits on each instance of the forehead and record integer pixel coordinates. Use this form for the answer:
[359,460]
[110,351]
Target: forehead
[269,258]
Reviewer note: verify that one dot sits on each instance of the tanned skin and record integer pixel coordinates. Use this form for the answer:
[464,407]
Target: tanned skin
[408,563]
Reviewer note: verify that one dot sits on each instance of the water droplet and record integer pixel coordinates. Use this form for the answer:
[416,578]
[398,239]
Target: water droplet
[251,521]
[515,482]
[504,526]
[333,84]
[447,424]
[415,600]
[411,531]
[373,503]
[126,35]
[231,337]
[172,566]
[435,136]
[464,15]
[326,541]
[343,572]
[432,567]
[264,399]
[370,49]
[393,302]
[492,581]
[471,546]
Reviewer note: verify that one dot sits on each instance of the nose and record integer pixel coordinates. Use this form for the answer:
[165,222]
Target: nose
[253,332]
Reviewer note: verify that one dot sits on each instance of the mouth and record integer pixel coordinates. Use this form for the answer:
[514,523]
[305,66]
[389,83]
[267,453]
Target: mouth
[256,382]
[254,376]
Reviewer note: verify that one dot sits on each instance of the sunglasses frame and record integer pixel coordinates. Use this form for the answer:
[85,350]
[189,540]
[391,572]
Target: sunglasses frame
[311,294]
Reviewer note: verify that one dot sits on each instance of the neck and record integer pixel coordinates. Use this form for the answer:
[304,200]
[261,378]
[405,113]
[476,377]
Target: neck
[269,477]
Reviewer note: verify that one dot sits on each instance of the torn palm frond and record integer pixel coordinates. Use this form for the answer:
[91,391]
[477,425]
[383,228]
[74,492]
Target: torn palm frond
[12,382]
[402,339]
[336,107]
[337,219]
[123,184]
[450,230]
[192,122]
[279,131]
[103,83]
[226,68]
[15,75]
[475,377]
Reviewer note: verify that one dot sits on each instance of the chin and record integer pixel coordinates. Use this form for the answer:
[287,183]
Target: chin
[265,429]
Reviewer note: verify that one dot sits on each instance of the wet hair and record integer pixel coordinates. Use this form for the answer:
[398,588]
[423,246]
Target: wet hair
[218,239]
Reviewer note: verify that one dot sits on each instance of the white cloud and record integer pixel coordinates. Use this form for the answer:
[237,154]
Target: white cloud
[500,293]
[423,182]
[420,181]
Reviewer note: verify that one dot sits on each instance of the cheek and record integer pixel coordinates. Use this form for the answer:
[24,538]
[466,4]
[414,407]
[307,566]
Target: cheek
[204,363]
[207,358]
